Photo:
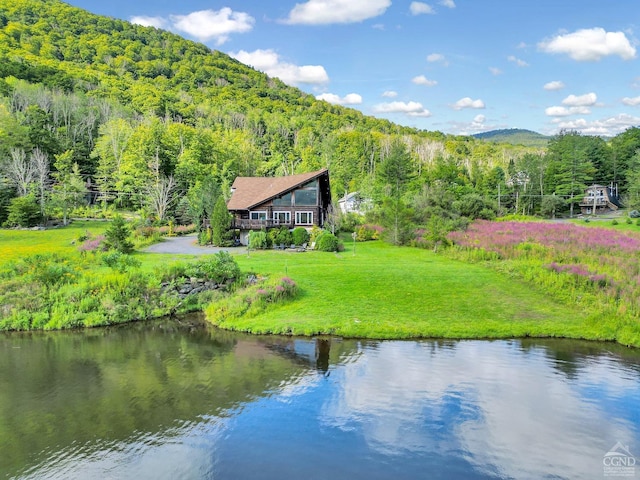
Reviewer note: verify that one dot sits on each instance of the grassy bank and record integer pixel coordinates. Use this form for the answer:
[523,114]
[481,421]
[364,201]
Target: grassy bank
[49,280]
[376,291]
[390,292]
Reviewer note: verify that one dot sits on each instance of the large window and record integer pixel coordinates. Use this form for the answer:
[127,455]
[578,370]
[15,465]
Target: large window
[304,218]
[283,201]
[307,195]
[258,215]
[282,217]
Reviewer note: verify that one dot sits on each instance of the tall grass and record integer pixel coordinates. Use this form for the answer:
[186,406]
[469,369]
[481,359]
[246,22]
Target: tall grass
[596,269]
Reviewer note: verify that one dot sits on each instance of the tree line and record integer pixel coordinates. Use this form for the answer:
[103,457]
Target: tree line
[94,109]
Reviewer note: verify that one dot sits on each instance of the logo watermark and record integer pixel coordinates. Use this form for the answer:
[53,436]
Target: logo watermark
[618,462]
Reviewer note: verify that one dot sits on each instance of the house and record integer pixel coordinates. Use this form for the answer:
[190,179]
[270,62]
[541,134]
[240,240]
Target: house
[293,201]
[353,202]
[599,199]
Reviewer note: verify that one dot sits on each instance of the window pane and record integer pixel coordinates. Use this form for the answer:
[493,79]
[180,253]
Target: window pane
[307,196]
[284,201]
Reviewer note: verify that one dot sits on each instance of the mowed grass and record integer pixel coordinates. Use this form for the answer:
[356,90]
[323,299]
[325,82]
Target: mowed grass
[15,244]
[383,291]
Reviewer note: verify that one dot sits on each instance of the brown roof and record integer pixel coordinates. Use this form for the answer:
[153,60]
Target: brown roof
[248,192]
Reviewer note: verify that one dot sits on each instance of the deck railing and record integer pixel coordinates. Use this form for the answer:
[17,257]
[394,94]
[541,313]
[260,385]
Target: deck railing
[245,224]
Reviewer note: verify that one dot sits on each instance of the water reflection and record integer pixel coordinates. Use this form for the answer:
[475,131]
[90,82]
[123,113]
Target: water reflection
[179,400]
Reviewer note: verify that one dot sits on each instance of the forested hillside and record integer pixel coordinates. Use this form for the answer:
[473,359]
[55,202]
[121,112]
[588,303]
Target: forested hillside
[515,136]
[140,112]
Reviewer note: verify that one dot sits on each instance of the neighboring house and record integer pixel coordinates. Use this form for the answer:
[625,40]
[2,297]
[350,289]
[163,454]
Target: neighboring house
[266,202]
[599,199]
[353,202]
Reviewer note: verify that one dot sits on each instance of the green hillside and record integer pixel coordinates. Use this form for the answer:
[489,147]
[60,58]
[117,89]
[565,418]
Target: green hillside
[515,136]
[132,106]
[142,76]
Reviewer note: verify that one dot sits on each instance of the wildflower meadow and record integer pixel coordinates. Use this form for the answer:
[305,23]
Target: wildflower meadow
[595,268]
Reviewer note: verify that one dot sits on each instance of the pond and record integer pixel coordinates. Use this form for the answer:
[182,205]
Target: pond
[180,400]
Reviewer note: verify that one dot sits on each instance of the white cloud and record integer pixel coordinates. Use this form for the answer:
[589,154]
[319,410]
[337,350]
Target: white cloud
[558,111]
[448,3]
[322,12]
[270,63]
[606,127]
[350,99]
[512,402]
[413,109]
[420,8]
[467,102]
[632,102]
[210,24]
[145,21]
[590,45]
[390,94]
[586,100]
[422,80]
[517,61]
[495,71]
[436,57]
[554,85]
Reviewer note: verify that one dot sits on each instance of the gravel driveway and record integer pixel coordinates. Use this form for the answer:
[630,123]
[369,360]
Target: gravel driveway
[187,245]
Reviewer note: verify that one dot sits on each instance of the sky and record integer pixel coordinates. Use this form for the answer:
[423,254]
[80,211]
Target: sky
[456,66]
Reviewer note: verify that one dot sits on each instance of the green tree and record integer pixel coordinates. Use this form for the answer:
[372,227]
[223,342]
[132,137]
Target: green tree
[550,205]
[394,174]
[571,170]
[23,212]
[633,182]
[117,236]
[69,189]
[202,198]
[220,222]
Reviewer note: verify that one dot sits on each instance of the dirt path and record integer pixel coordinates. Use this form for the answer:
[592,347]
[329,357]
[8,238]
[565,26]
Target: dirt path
[187,245]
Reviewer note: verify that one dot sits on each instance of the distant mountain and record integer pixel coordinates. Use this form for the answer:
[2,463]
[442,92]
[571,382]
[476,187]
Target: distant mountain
[515,136]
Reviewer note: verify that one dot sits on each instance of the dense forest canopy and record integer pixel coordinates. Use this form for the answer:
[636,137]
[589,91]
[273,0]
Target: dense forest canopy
[137,110]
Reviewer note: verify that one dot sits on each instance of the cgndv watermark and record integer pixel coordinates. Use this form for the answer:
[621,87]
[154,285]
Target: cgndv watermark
[619,462]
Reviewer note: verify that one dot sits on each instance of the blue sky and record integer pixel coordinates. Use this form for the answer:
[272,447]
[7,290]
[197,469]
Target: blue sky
[457,66]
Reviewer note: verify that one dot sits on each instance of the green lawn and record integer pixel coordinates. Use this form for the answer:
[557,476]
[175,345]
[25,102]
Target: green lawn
[15,244]
[395,292]
[381,291]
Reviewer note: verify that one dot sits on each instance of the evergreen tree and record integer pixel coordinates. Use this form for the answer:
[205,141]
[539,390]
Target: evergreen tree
[571,170]
[394,174]
[220,222]
[117,235]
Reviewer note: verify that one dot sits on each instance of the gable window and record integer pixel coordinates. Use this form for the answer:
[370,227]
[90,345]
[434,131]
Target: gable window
[304,218]
[307,195]
[258,215]
[282,217]
[283,201]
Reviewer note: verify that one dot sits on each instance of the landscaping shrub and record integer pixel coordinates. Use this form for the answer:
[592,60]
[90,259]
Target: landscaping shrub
[258,240]
[280,236]
[300,235]
[220,267]
[327,242]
